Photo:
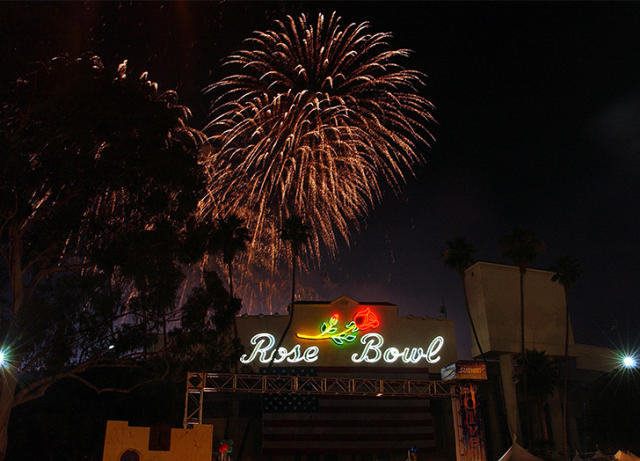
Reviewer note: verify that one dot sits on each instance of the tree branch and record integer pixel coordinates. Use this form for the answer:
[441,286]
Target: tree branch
[43,273]
[38,257]
[37,389]
[100,390]
[11,215]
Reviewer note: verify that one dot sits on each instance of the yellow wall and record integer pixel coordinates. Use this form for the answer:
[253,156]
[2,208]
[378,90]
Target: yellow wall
[186,444]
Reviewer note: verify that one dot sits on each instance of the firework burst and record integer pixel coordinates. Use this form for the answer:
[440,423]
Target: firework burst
[314,120]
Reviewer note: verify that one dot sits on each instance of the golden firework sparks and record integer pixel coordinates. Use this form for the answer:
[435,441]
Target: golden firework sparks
[314,120]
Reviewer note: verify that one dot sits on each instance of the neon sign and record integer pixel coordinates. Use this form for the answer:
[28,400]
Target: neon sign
[364,319]
[372,352]
[330,331]
[264,342]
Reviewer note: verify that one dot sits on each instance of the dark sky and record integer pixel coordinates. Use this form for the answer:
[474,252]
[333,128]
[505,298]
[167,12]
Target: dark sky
[539,114]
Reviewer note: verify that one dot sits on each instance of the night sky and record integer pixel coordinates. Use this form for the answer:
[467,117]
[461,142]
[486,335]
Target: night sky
[538,109]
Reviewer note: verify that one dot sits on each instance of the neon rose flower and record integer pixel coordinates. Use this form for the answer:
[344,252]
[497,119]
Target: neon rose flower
[366,319]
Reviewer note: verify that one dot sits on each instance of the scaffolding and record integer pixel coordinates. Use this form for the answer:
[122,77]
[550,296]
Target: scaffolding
[199,384]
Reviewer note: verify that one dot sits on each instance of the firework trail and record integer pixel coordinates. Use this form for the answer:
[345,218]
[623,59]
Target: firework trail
[314,119]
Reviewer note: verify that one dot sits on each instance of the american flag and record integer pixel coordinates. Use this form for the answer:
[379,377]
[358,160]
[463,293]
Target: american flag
[300,424]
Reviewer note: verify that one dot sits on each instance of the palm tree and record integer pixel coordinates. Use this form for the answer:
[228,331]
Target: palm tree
[230,237]
[297,233]
[459,256]
[539,370]
[522,247]
[566,272]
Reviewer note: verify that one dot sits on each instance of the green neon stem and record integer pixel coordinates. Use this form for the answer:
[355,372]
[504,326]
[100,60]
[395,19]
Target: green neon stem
[352,329]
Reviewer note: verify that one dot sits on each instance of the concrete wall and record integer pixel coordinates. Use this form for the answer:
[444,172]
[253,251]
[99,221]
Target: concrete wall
[594,358]
[494,302]
[186,444]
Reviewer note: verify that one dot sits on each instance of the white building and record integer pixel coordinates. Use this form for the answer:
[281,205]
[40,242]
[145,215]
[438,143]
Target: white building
[494,302]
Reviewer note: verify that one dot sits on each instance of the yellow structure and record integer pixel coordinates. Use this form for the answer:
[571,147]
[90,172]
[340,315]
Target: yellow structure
[185,444]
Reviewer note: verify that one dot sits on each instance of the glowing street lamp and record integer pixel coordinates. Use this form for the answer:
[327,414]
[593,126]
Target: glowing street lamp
[629,362]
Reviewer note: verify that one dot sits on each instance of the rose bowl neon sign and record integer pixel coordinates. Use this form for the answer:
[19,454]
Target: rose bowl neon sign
[372,352]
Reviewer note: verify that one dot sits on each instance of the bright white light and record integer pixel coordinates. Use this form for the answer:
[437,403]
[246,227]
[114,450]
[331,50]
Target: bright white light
[2,359]
[629,362]
[111,346]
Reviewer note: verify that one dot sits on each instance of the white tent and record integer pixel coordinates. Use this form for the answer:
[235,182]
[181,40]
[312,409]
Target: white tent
[517,453]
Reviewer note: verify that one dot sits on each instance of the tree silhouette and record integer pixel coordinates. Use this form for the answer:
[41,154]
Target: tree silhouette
[522,247]
[540,372]
[297,233]
[230,237]
[100,178]
[566,271]
[459,256]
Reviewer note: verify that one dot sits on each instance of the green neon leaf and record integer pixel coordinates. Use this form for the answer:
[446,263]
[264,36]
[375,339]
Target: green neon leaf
[350,338]
[323,327]
[337,340]
[332,330]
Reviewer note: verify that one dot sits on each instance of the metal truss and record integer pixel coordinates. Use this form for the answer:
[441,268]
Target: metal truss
[200,383]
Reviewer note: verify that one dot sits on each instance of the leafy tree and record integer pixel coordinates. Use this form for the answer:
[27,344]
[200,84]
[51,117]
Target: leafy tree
[566,271]
[295,231]
[459,256]
[522,247]
[100,182]
[205,318]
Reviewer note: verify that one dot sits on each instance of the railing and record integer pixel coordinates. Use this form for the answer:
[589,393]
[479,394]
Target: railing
[200,383]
